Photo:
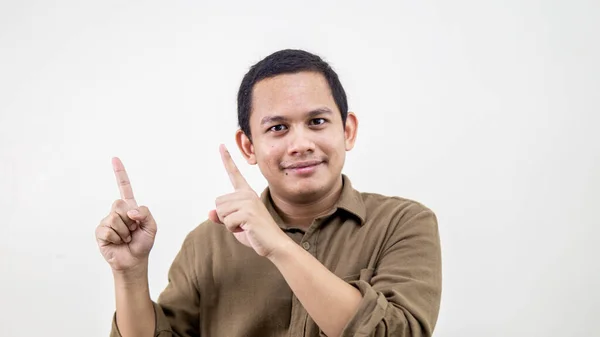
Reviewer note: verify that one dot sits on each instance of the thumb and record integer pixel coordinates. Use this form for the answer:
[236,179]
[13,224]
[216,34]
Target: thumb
[143,215]
[212,215]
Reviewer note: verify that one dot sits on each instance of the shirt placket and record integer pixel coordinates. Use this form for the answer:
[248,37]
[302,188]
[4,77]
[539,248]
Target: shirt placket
[299,314]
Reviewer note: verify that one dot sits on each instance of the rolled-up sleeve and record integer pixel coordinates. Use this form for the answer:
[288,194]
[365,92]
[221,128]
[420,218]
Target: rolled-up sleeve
[401,295]
[163,327]
[177,308]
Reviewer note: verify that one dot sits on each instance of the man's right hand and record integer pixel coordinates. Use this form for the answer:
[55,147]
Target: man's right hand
[126,236]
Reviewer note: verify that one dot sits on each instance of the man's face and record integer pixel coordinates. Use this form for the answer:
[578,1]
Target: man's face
[298,138]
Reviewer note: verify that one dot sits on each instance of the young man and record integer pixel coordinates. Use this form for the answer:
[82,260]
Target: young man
[310,257]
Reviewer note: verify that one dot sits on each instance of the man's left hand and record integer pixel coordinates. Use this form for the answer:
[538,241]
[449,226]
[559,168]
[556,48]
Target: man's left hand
[245,215]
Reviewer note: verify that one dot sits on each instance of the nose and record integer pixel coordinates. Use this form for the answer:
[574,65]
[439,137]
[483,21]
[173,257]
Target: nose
[300,142]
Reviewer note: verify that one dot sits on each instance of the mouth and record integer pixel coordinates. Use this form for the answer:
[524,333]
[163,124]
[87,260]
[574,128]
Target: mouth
[303,168]
[303,164]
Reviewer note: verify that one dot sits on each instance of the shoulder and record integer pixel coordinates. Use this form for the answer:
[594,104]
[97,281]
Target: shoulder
[207,235]
[376,203]
[398,213]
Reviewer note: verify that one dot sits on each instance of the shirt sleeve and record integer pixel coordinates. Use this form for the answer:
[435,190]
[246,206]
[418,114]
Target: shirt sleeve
[177,309]
[401,295]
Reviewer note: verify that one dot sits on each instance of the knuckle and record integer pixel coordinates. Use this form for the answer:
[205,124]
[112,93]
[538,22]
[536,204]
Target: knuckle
[98,231]
[107,236]
[117,224]
[104,222]
[118,204]
[113,218]
[103,234]
[230,226]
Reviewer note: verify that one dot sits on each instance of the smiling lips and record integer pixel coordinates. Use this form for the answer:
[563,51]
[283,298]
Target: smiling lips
[304,167]
[304,164]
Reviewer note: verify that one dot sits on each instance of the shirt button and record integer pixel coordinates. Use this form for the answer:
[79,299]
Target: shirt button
[306,245]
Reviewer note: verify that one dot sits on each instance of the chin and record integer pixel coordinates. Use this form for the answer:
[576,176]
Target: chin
[305,188]
[303,196]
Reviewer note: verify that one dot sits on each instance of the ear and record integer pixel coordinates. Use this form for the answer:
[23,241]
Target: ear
[350,130]
[245,145]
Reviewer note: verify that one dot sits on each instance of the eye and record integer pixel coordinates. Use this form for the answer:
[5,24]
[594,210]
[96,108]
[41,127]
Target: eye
[317,121]
[277,128]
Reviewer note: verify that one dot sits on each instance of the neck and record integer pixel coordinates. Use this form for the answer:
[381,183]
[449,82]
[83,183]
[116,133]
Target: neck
[301,215]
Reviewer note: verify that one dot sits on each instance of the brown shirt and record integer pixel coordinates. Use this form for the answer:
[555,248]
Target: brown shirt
[386,247]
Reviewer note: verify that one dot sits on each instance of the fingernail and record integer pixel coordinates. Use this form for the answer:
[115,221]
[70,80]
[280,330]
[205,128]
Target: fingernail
[133,227]
[128,239]
[134,212]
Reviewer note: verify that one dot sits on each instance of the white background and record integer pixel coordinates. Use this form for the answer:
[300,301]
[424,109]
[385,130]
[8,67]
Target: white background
[485,111]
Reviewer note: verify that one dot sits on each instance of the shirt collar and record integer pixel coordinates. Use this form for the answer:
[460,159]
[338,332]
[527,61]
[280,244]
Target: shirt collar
[350,201]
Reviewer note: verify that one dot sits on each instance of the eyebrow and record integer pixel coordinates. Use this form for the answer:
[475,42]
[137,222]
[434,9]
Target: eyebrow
[279,119]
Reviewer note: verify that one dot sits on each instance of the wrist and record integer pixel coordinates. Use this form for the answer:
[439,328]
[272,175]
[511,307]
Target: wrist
[133,277]
[285,248]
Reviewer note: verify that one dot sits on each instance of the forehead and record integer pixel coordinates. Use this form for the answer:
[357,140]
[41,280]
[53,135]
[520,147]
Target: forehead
[290,94]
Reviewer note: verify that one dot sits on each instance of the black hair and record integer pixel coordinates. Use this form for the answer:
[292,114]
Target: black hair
[287,61]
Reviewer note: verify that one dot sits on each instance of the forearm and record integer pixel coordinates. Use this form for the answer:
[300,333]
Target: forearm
[135,312]
[329,300]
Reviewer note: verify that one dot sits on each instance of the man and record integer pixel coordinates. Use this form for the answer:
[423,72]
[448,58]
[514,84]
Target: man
[310,257]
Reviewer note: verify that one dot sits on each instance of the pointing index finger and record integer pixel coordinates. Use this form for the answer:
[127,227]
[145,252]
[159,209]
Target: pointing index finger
[123,182]
[237,180]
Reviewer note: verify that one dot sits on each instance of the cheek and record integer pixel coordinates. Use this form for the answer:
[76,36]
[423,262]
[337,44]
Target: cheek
[270,156]
[332,143]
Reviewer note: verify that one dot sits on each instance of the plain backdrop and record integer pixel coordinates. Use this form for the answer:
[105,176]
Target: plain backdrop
[485,111]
